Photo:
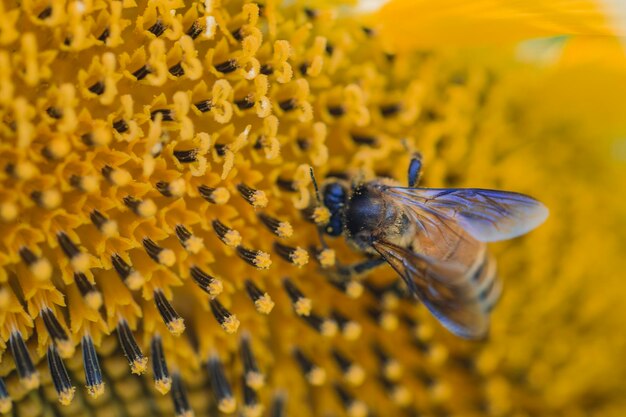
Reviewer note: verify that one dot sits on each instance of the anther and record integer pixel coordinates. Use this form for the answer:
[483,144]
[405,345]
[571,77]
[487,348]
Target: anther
[227,66]
[326,327]
[6,403]
[351,330]
[252,375]
[218,195]
[385,319]
[195,30]
[174,323]
[296,256]
[158,28]
[391,368]
[336,111]
[120,125]
[158,254]
[93,373]
[399,394]
[119,177]
[186,156]
[228,236]
[54,112]
[288,105]
[301,304]
[167,115]
[129,276]
[286,185]
[245,103]
[279,228]
[177,70]
[140,74]
[220,149]
[97,88]
[313,373]
[256,198]
[262,301]
[252,407]
[106,226]
[278,408]
[79,260]
[191,243]
[40,267]
[220,386]
[56,332]
[364,140]
[161,374]
[28,375]
[142,208]
[354,407]
[206,282]
[228,321]
[174,188]
[45,13]
[60,378]
[87,183]
[390,110]
[352,373]
[136,359]
[47,199]
[266,69]
[179,397]
[91,295]
[104,35]
[204,105]
[256,258]
[352,288]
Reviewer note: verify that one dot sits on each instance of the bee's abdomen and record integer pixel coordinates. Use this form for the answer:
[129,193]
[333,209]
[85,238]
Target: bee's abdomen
[487,284]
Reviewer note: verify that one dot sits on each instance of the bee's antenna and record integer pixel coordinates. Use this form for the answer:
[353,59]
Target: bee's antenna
[317,190]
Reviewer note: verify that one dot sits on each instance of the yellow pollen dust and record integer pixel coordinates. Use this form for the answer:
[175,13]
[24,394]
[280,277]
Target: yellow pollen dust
[352,330]
[355,375]
[392,370]
[163,385]
[25,170]
[255,380]
[167,257]
[299,257]
[220,195]
[438,354]
[262,260]
[316,376]
[8,211]
[81,262]
[194,244]
[176,326]
[135,280]
[230,324]
[89,184]
[120,177]
[177,187]
[303,306]
[358,409]
[264,304]
[95,390]
[146,208]
[41,269]
[227,405]
[66,348]
[321,216]
[66,396]
[329,328]
[255,410]
[327,258]
[93,299]
[284,230]
[259,199]
[232,238]
[109,228]
[401,395]
[139,366]
[50,199]
[215,288]
[389,321]
[31,381]
[354,289]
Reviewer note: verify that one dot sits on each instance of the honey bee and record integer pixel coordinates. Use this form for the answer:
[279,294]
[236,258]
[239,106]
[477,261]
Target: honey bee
[434,238]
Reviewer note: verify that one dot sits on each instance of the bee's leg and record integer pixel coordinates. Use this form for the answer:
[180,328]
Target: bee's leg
[415,169]
[359,268]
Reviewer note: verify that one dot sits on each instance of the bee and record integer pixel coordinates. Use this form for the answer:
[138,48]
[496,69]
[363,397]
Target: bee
[434,238]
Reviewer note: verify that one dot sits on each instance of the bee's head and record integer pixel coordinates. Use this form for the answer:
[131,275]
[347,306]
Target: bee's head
[335,196]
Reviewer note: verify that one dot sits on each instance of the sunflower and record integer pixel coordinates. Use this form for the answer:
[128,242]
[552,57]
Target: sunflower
[159,252]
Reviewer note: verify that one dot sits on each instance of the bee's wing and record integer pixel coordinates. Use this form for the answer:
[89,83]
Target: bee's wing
[487,215]
[443,287]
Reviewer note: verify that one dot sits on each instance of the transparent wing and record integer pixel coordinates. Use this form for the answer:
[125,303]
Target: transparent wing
[487,215]
[442,287]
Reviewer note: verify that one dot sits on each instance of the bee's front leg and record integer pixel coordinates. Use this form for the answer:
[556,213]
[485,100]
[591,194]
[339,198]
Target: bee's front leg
[415,170]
